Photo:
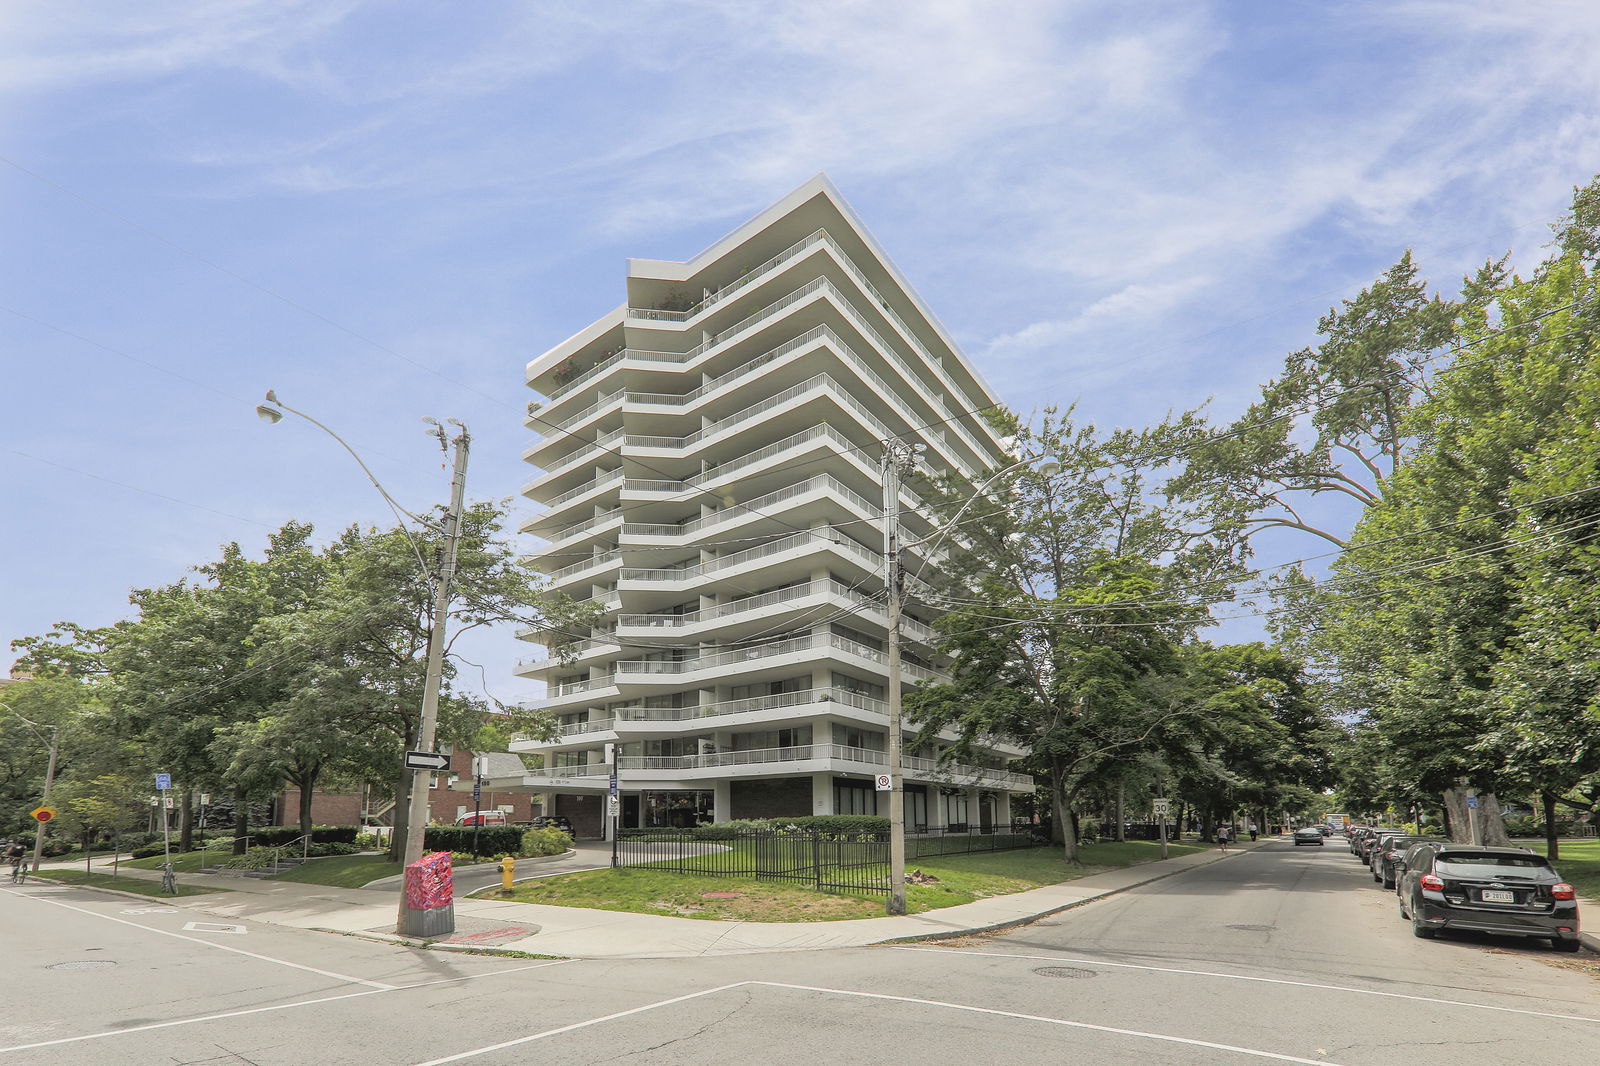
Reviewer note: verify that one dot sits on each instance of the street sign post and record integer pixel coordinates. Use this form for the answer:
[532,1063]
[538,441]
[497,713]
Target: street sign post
[426,760]
[164,784]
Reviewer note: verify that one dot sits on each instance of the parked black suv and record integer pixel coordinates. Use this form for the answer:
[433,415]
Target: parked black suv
[1490,890]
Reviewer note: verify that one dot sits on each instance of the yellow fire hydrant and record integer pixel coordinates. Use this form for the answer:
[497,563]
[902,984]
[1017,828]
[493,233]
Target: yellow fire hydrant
[508,869]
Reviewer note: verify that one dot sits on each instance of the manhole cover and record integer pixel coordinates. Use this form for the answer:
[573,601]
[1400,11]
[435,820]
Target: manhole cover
[1063,971]
[81,964]
[1253,928]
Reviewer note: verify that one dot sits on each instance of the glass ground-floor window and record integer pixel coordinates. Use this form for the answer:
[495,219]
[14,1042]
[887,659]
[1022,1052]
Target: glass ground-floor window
[678,809]
[854,797]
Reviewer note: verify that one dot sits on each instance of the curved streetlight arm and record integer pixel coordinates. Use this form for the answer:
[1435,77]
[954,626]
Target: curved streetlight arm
[271,415]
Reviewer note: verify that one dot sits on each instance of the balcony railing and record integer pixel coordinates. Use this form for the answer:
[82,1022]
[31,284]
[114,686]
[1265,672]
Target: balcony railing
[761,551]
[603,559]
[740,606]
[715,659]
[570,688]
[755,507]
[932,768]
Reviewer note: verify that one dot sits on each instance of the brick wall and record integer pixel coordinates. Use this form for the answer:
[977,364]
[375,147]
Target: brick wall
[444,803]
[584,811]
[787,797]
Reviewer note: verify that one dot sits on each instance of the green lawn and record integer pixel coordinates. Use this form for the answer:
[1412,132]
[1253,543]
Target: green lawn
[961,879]
[1579,865]
[186,862]
[341,871]
[124,884]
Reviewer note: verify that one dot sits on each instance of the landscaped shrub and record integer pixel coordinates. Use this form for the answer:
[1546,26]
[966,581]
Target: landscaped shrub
[317,851]
[371,842]
[274,835]
[492,839]
[545,842]
[254,859]
[146,851]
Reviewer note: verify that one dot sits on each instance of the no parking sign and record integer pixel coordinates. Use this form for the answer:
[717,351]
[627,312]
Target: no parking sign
[883,783]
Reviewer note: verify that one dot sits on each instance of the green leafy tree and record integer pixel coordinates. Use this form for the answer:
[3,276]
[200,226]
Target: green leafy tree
[1064,615]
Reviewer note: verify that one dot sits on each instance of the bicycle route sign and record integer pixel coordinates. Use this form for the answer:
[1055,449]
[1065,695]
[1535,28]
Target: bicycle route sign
[163,782]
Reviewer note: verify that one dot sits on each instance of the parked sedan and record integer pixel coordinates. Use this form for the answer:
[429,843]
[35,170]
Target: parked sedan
[1308,835]
[1491,890]
[1387,855]
[552,821]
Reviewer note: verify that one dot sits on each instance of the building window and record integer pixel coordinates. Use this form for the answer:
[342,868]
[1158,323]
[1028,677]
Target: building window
[678,809]
[854,737]
[854,797]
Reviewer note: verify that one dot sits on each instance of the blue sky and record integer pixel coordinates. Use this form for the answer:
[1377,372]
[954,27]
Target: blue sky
[383,210]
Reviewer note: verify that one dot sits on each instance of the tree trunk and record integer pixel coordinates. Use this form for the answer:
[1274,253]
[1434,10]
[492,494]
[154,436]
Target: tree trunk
[306,783]
[1486,823]
[402,817]
[241,822]
[1552,845]
[1069,838]
[186,820]
[1122,822]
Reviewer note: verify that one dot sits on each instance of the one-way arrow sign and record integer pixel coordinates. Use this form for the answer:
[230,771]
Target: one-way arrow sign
[427,760]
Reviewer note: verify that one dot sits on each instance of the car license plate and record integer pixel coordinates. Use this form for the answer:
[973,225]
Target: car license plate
[1497,895]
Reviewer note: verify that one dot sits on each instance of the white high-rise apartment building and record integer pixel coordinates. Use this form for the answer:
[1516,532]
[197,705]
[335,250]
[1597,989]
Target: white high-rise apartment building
[710,475]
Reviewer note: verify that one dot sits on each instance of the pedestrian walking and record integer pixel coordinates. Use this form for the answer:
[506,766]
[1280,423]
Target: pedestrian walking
[1222,837]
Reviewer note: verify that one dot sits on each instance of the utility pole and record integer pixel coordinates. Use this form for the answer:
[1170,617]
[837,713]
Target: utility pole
[897,455]
[49,780]
[428,726]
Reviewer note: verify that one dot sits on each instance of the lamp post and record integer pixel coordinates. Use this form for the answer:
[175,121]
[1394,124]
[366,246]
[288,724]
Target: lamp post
[428,722]
[49,778]
[899,456]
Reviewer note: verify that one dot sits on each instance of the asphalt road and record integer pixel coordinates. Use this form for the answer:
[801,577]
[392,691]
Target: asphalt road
[1277,955]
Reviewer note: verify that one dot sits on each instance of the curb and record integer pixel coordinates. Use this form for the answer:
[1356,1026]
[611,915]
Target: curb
[165,901]
[1017,923]
[430,945]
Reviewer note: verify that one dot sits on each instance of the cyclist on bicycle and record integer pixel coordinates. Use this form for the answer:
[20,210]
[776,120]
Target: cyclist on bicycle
[14,854]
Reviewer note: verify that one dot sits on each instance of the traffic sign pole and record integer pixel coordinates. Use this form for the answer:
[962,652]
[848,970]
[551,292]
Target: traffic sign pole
[163,783]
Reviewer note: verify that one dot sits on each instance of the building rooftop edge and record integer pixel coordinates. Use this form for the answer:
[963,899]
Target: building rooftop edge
[672,270]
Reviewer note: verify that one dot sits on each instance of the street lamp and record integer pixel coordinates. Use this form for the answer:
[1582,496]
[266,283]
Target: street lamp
[428,723]
[899,456]
[49,777]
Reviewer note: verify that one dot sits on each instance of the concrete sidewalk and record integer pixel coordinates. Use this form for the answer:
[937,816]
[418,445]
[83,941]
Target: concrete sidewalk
[499,925]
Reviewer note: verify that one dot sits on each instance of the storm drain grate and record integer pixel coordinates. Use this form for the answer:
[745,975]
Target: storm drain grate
[81,964]
[1071,972]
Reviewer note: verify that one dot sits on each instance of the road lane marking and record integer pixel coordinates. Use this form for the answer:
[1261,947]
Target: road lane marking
[462,1055]
[584,1025]
[280,1006]
[1262,980]
[1191,1042]
[379,985]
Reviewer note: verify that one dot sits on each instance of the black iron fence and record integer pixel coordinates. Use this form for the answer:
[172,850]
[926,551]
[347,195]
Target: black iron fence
[828,862]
